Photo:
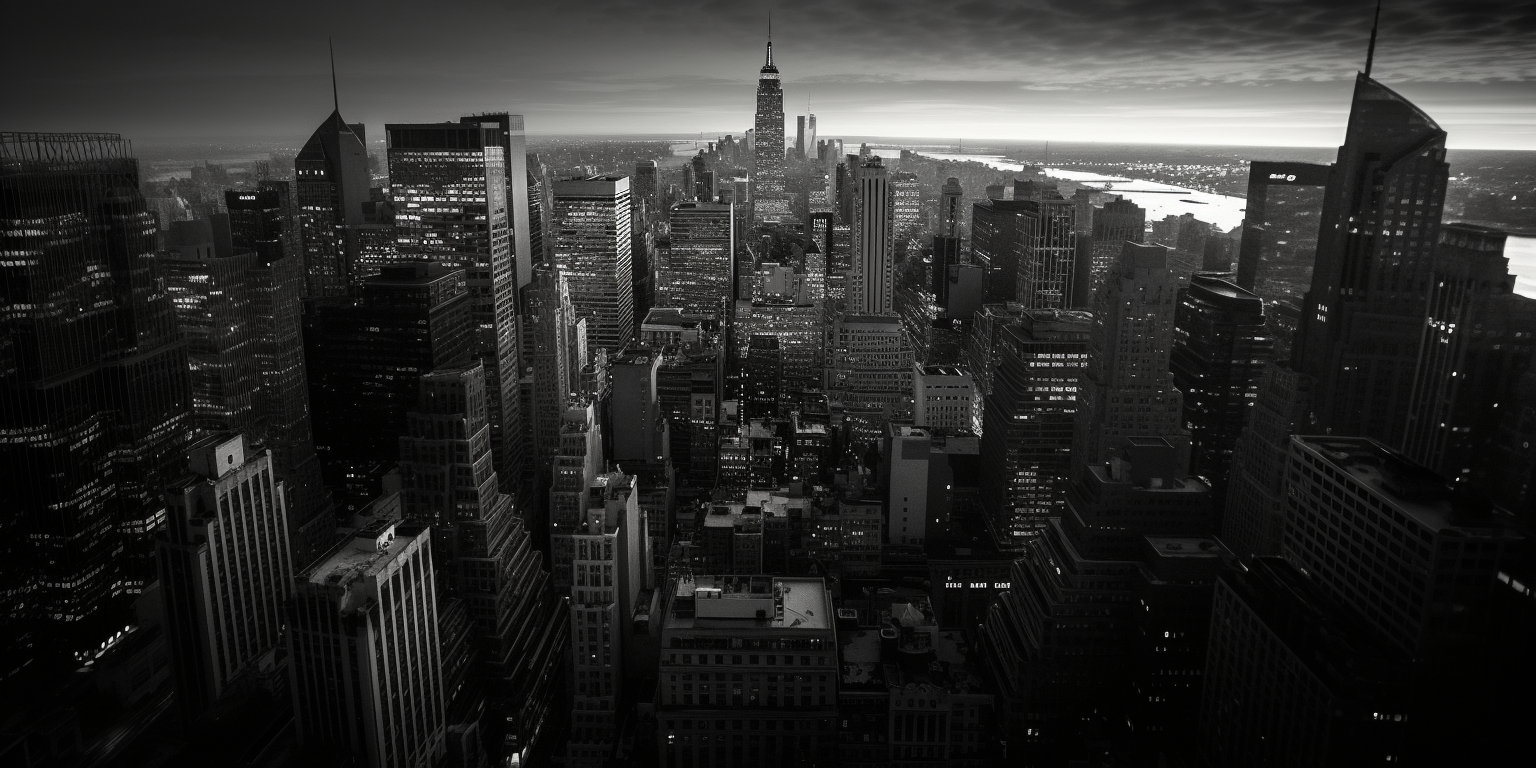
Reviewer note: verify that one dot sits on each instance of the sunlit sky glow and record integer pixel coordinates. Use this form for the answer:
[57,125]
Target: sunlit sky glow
[1248,72]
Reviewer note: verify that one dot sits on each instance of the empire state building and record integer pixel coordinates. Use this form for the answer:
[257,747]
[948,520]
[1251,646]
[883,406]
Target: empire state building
[770,205]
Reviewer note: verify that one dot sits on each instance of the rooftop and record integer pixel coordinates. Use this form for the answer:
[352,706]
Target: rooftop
[1406,485]
[729,602]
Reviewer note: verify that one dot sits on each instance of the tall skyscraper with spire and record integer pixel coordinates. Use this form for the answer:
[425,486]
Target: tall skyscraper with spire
[331,173]
[770,202]
[1361,321]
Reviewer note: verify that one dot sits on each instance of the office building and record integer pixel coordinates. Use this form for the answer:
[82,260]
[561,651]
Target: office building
[645,188]
[695,272]
[769,197]
[1117,221]
[1374,254]
[1253,519]
[799,135]
[95,392]
[1292,677]
[546,353]
[1028,420]
[611,566]
[1280,224]
[212,288]
[944,398]
[869,375]
[450,182]
[810,137]
[777,635]
[1047,270]
[521,205]
[1127,389]
[330,187]
[1220,346]
[364,659]
[577,466]
[999,229]
[873,278]
[592,252]
[906,207]
[365,361]
[905,454]
[225,569]
[1422,554]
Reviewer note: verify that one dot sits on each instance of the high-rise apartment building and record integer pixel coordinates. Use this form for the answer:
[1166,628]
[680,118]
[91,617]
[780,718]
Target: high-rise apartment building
[593,253]
[761,650]
[364,659]
[1028,419]
[450,183]
[1127,390]
[94,394]
[1220,346]
[696,271]
[1362,319]
[770,199]
[225,568]
[331,186]
[873,279]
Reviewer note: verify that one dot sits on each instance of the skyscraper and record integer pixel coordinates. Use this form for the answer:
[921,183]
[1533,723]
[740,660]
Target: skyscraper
[1116,222]
[906,207]
[951,213]
[770,200]
[450,182]
[592,252]
[1028,418]
[810,137]
[331,181]
[1048,264]
[1128,390]
[520,205]
[94,395]
[449,483]
[696,271]
[365,662]
[1381,220]
[799,135]
[1220,345]
[874,273]
[365,362]
[1253,521]
[998,231]
[225,568]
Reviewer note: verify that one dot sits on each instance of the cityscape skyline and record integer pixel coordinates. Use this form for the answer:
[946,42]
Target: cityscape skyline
[456,449]
[1270,75]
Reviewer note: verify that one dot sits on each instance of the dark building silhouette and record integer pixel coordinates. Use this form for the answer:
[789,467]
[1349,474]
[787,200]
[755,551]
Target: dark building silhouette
[331,186]
[1362,317]
[365,359]
[1114,223]
[1253,520]
[1220,345]
[998,231]
[94,394]
[1293,679]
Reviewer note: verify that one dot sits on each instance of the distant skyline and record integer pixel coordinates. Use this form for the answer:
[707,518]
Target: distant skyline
[1215,72]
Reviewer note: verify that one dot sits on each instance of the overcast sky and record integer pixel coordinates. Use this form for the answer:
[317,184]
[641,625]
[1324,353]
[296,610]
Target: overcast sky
[1255,72]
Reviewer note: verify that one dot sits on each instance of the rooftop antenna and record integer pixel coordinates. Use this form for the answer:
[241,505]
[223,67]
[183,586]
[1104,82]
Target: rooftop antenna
[336,99]
[770,37]
[1370,53]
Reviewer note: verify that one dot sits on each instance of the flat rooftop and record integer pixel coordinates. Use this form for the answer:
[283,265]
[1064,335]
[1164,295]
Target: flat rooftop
[1412,488]
[801,603]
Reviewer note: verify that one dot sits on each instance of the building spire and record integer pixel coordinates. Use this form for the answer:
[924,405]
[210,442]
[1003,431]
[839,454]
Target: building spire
[335,97]
[769,62]
[1370,52]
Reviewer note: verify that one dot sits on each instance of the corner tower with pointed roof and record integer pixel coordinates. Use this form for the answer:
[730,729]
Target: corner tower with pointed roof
[1381,219]
[332,185]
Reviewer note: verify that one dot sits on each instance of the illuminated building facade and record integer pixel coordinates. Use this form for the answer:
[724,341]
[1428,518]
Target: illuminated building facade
[872,281]
[331,185]
[593,254]
[769,198]
[94,395]
[696,272]
[450,187]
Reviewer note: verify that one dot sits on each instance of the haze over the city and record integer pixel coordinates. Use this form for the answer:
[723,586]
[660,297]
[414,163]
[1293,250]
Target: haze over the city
[1214,72]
